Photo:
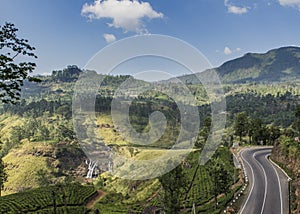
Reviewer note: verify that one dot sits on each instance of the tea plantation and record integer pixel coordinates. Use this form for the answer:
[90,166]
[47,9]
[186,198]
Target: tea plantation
[65,198]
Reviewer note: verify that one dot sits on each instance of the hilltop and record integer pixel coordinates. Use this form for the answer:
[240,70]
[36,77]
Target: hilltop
[274,66]
[277,65]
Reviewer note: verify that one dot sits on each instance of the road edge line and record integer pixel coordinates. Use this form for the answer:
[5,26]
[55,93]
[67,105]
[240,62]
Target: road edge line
[279,184]
[252,186]
[284,172]
[265,178]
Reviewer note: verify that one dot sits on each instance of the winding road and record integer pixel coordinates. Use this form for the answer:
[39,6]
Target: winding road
[268,185]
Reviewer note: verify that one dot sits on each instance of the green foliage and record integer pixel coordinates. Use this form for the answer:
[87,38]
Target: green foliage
[13,74]
[174,184]
[69,74]
[41,199]
[43,177]
[63,210]
[3,175]
[124,196]
[241,124]
[274,134]
[296,124]
[286,152]
[35,164]
[203,133]
[52,108]
[272,103]
[257,132]
[221,178]
[260,132]
[274,66]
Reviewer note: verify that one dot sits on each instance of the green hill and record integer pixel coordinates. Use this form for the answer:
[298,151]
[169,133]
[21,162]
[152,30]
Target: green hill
[274,66]
[277,65]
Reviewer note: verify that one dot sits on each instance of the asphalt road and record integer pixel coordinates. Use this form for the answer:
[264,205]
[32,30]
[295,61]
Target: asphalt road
[268,185]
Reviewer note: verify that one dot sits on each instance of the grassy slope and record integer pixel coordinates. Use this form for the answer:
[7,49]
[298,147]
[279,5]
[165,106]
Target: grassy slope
[22,166]
[26,158]
[7,123]
[55,160]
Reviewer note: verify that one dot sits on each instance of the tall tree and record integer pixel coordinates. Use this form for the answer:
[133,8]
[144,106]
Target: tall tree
[274,133]
[203,133]
[13,73]
[174,184]
[296,124]
[261,133]
[241,124]
[221,179]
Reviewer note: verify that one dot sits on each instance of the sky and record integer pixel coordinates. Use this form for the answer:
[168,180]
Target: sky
[72,32]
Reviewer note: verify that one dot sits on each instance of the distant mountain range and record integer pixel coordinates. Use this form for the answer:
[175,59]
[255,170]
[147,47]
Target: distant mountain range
[277,65]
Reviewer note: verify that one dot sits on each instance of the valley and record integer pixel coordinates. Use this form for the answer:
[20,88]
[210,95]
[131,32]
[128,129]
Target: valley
[46,161]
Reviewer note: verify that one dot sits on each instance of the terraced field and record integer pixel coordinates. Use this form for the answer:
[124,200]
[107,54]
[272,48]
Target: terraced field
[67,199]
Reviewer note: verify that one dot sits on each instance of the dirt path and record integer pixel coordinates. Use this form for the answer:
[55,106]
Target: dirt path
[90,204]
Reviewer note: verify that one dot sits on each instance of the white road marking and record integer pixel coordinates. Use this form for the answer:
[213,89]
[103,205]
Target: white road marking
[266,181]
[253,178]
[284,172]
[281,201]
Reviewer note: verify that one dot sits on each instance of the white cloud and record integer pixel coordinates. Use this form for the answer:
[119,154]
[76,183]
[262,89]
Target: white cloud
[235,9]
[291,3]
[227,50]
[125,14]
[109,38]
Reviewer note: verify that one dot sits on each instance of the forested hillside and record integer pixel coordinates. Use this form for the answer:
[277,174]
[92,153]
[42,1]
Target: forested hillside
[277,65]
[40,148]
[282,64]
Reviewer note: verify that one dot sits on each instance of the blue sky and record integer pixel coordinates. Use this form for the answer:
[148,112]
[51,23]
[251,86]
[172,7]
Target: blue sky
[71,32]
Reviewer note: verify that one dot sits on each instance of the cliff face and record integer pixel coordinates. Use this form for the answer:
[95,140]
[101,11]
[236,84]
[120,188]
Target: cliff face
[287,156]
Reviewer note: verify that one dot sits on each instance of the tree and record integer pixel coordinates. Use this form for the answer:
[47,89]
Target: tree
[241,124]
[274,133]
[296,124]
[221,179]
[174,184]
[204,133]
[261,133]
[251,129]
[264,134]
[297,112]
[3,175]
[12,73]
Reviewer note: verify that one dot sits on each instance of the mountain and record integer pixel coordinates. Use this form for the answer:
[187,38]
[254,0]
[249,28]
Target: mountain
[277,65]
[274,66]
